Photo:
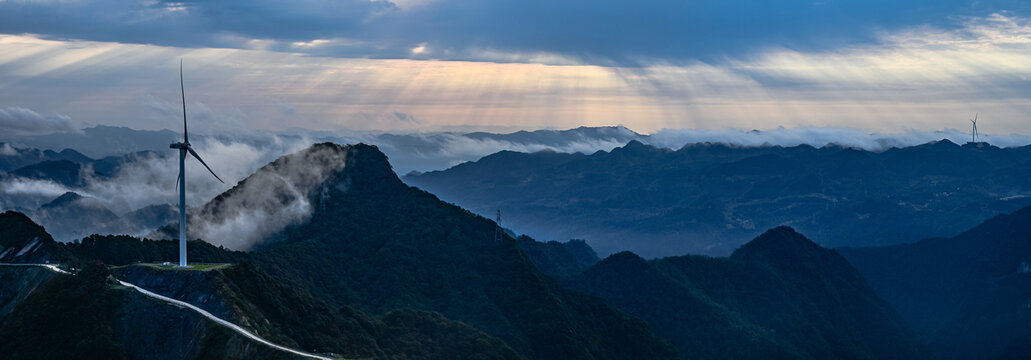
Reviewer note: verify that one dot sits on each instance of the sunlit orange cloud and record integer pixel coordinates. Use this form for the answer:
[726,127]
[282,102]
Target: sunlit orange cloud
[920,78]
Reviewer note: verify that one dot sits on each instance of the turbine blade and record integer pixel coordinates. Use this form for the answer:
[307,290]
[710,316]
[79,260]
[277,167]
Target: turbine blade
[182,88]
[194,153]
[177,178]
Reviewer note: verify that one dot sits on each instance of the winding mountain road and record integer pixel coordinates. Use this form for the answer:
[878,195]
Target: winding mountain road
[183,304]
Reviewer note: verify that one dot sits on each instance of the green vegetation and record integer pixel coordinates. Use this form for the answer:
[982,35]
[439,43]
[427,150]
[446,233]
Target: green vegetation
[118,250]
[379,246]
[558,260]
[191,267]
[293,317]
[967,295]
[67,318]
[241,292]
[711,198]
[779,296]
[383,270]
[19,231]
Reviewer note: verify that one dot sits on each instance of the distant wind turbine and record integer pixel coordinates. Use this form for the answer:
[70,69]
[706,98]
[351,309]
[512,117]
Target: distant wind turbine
[184,147]
[973,133]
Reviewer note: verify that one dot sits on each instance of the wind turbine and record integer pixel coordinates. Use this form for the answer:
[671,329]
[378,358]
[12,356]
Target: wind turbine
[184,147]
[973,133]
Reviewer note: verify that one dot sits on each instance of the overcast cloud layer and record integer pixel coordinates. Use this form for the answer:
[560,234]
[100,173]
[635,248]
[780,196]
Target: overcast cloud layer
[463,65]
[594,32]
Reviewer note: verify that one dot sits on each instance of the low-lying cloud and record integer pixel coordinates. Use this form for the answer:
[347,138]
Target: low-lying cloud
[274,197]
[20,121]
[822,136]
[149,179]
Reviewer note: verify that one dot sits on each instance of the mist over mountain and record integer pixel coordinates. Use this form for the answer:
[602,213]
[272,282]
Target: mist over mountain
[279,194]
[345,258]
[376,244]
[967,296]
[710,198]
[426,151]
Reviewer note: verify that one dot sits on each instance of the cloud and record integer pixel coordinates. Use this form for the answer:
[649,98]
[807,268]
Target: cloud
[8,150]
[595,32]
[403,117]
[822,136]
[28,194]
[274,197]
[202,118]
[151,179]
[20,121]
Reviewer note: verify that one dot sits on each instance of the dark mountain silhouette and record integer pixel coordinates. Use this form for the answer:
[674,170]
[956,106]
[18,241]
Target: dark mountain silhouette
[63,172]
[420,151]
[378,245]
[711,198]
[72,216]
[558,260]
[72,169]
[778,296]
[43,315]
[101,141]
[967,296]
[21,157]
[23,241]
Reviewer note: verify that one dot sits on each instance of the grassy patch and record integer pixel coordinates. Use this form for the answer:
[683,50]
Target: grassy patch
[192,267]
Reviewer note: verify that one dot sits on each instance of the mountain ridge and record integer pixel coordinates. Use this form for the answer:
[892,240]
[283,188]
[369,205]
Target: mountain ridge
[757,303]
[710,198]
[945,286]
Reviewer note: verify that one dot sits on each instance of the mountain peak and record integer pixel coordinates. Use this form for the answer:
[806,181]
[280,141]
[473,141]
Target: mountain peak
[779,244]
[22,240]
[621,261]
[286,192]
[634,147]
[944,144]
[64,199]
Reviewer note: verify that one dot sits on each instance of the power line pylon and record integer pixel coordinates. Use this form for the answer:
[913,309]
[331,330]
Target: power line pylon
[497,231]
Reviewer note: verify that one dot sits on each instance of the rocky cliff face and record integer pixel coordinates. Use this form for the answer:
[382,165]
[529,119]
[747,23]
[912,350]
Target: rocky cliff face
[16,283]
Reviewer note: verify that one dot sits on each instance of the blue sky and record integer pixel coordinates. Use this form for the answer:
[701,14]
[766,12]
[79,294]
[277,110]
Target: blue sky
[422,65]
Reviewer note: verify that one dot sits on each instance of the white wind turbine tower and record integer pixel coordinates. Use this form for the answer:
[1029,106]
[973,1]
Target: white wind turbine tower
[973,133]
[184,147]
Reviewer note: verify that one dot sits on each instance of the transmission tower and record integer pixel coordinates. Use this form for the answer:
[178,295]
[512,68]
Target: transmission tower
[497,230]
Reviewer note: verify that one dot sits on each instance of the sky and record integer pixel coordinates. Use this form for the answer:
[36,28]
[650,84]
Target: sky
[504,65]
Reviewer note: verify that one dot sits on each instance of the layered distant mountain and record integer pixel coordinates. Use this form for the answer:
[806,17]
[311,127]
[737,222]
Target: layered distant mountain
[711,198]
[408,152]
[348,231]
[48,164]
[780,296]
[369,267]
[426,151]
[49,186]
[99,141]
[376,244]
[72,216]
[13,158]
[967,296]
